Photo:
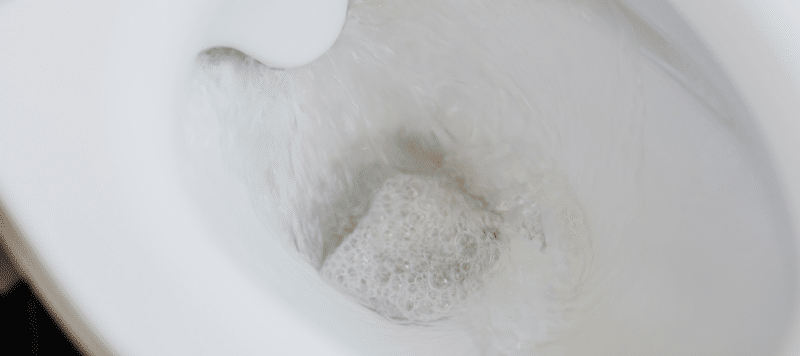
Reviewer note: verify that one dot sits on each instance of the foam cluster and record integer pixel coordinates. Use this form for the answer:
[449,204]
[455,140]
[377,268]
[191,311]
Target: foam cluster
[419,251]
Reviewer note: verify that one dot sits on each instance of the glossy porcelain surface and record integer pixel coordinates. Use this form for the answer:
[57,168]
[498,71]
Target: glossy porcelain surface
[112,238]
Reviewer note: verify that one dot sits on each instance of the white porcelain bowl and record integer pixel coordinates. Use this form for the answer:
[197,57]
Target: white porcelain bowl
[130,263]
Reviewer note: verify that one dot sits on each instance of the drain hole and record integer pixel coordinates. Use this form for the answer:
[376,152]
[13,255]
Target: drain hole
[417,253]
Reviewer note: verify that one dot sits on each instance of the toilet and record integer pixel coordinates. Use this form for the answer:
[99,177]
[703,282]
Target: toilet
[135,255]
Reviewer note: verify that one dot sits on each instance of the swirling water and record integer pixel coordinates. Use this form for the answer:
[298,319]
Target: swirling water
[470,115]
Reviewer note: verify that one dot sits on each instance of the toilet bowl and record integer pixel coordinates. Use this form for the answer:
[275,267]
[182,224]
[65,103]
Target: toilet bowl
[136,256]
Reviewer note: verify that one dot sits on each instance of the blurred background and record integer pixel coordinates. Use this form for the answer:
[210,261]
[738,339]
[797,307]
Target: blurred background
[27,327]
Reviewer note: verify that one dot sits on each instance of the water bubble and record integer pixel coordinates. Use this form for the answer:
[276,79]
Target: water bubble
[419,254]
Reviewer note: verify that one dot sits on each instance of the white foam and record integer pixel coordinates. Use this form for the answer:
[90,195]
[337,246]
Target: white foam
[418,253]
